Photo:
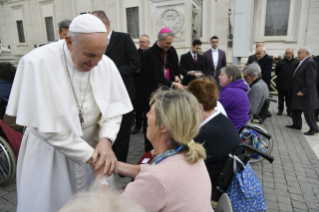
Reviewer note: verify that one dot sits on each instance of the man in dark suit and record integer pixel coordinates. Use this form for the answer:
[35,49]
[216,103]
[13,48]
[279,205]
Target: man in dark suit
[159,66]
[64,28]
[304,97]
[265,62]
[137,103]
[253,58]
[316,59]
[285,69]
[192,63]
[214,59]
[123,52]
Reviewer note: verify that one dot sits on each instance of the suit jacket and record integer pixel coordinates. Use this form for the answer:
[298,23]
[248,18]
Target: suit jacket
[265,64]
[251,59]
[209,69]
[316,59]
[187,64]
[304,80]
[123,52]
[285,70]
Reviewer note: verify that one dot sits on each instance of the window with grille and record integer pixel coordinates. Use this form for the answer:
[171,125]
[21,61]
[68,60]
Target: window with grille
[277,16]
[49,28]
[133,24]
[20,32]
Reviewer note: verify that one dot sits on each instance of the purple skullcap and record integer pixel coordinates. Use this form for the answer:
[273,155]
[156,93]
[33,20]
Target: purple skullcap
[165,30]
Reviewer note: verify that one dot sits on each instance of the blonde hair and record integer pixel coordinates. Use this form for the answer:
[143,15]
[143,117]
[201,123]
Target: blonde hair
[101,201]
[179,112]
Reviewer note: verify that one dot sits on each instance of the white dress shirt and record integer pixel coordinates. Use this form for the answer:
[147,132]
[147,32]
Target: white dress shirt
[109,36]
[215,57]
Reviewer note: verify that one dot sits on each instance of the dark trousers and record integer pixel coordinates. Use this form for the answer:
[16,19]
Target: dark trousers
[138,110]
[147,144]
[284,96]
[122,142]
[309,116]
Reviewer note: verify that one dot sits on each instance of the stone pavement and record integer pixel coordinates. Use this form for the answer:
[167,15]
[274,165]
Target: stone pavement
[290,183]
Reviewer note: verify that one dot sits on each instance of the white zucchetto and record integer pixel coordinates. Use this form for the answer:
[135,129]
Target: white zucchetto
[87,23]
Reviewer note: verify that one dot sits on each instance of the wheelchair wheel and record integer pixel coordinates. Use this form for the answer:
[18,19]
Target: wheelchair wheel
[267,142]
[7,163]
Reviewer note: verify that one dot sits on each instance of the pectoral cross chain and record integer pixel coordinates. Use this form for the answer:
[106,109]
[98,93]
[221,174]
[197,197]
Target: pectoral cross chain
[81,118]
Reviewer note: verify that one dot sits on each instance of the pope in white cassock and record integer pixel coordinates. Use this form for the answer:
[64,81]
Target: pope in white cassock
[71,98]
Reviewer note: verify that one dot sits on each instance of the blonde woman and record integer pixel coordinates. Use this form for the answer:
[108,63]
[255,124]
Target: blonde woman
[177,179]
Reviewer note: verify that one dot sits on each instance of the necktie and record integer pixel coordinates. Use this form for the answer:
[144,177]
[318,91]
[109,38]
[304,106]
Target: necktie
[195,59]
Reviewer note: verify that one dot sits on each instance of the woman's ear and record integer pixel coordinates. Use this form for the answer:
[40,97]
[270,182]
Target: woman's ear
[163,129]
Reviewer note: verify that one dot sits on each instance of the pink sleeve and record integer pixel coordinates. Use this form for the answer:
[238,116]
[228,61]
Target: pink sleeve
[148,191]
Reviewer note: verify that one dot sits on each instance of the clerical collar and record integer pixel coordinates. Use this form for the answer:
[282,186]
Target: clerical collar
[193,54]
[109,35]
[214,50]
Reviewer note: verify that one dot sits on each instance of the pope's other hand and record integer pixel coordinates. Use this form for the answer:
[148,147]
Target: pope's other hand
[104,156]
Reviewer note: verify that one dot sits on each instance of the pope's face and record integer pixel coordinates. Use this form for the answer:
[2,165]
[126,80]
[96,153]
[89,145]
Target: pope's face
[87,52]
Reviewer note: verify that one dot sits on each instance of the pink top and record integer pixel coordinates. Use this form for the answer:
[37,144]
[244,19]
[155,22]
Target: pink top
[173,185]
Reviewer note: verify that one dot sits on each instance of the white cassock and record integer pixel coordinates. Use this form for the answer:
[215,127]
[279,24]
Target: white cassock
[55,147]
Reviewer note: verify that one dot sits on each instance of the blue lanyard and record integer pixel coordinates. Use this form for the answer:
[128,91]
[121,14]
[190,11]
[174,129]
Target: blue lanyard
[159,158]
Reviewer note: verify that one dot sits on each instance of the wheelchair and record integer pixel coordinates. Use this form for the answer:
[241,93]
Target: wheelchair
[10,141]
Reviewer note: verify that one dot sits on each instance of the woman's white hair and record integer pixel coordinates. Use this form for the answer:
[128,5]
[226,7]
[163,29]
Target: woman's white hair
[101,201]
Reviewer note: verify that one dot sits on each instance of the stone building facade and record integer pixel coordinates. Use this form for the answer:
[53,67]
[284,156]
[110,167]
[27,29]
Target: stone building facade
[280,24]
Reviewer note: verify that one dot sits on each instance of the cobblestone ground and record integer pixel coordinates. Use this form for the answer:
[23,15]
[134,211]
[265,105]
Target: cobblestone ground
[290,183]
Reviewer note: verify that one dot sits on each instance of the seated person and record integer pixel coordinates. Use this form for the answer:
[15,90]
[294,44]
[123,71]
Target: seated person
[258,92]
[7,72]
[217,133]
[233,96]
[177,178]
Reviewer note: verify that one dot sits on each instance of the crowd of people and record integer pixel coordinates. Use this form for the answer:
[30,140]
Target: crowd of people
[98,83]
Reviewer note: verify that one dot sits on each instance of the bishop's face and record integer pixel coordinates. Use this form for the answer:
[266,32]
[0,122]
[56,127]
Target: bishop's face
[87,52]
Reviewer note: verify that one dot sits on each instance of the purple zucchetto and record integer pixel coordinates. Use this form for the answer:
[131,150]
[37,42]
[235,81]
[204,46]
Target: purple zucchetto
[165,30]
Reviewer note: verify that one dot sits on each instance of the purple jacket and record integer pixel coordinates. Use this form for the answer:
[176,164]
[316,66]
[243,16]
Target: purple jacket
[236,103]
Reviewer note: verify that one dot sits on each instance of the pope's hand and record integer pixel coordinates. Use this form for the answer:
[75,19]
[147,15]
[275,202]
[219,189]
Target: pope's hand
[177,79]
[104,155]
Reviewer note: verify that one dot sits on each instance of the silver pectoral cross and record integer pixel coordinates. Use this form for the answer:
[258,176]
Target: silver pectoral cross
[81,118]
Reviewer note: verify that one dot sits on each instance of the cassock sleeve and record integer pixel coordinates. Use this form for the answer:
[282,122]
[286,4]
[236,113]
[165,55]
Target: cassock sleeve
[69,144]
[110,127]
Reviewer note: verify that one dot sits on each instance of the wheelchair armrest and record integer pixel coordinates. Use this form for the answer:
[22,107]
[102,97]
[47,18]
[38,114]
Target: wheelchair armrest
[256,129]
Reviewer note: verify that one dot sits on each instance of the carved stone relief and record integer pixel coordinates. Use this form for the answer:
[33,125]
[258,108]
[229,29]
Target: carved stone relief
[195,23]
[174,20]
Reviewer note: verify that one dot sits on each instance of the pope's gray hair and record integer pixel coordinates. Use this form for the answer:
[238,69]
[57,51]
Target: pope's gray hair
[75,37]
[164,35]
[253,70]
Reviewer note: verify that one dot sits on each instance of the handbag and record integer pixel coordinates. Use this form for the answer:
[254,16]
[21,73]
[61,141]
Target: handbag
[245,191]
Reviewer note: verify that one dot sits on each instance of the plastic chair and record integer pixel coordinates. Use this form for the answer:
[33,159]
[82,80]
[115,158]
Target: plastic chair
[224,204]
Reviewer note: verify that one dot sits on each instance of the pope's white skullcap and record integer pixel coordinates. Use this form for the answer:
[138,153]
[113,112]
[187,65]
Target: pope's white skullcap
[87,23]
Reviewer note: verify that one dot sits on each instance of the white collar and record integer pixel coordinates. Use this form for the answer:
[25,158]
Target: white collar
[214,50]
[109,35]
[193,54]
[304,59]
[210,118]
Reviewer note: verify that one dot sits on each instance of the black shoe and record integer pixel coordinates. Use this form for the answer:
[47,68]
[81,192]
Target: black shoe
[310,132]
[268,114]
[135,130]
[293,127]
[279,113]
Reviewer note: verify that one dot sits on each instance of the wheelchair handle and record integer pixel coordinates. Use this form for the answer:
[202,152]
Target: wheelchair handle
[257,130]
[264,155]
